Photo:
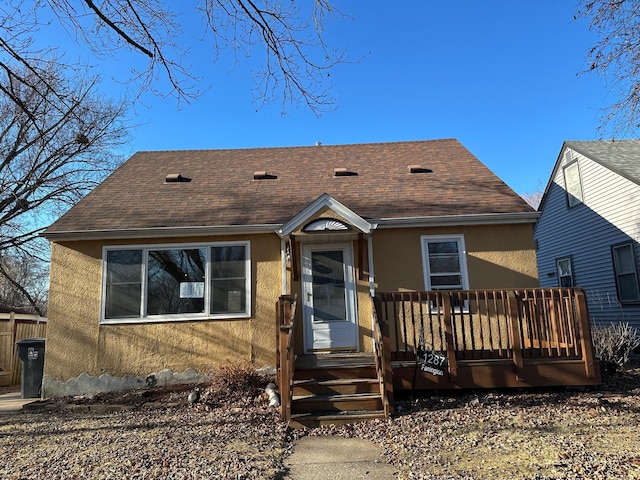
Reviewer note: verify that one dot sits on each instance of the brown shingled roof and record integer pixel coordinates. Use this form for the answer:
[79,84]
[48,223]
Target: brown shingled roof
[221,189]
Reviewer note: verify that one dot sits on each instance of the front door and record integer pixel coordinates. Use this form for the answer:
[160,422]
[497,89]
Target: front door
[329,298]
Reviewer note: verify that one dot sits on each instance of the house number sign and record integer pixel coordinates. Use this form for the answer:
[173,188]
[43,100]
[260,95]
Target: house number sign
[431,361]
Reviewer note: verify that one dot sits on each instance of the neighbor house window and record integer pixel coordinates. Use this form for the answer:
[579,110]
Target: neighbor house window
[564,269]
[445,266]
[624,266]
[176,282]
[572,183]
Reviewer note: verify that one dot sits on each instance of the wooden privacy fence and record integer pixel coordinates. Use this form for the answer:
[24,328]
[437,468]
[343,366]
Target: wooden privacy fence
[14,327]
[484,325]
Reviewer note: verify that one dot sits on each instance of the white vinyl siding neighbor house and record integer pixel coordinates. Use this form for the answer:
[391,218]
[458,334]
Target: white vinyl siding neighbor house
[589,227]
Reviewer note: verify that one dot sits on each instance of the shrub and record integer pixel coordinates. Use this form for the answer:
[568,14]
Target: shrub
[612,345]
[235,382]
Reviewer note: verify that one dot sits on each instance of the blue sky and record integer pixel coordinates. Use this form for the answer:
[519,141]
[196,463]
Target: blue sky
[500,76]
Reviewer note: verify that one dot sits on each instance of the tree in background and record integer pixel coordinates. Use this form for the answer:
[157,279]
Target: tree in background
[296,59]
[533,198]
[58,139]
[23,283]
[616,57]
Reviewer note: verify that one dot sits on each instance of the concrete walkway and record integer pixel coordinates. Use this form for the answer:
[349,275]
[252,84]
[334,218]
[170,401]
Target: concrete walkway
[337,458]
[12,403]
[313,458]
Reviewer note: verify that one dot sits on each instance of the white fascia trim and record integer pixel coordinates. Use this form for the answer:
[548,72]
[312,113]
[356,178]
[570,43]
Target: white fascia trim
[457,220]
[326,200]
[160,232]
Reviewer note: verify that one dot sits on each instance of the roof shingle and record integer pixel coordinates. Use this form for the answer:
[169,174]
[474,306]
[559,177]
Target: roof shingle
[222,189]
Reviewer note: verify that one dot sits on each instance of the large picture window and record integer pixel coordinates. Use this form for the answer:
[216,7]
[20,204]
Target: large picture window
[626,272]
[176,282]
[445,266]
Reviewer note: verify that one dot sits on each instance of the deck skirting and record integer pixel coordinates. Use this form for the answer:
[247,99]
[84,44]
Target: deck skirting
[495,373]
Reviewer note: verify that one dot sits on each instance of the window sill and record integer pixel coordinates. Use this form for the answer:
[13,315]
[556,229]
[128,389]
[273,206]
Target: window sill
[175,318]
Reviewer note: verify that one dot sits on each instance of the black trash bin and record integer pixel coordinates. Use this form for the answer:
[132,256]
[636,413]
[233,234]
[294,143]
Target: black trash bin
[31,353]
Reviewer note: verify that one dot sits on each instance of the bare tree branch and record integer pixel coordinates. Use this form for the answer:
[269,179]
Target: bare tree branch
[52,151]
[20,294]
[119,31]
[616,58]
[296,56]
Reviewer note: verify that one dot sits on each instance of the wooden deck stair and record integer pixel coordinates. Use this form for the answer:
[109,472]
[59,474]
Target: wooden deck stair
[335,388]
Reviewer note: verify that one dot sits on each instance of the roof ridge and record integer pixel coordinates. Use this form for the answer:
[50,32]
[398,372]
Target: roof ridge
[330,145]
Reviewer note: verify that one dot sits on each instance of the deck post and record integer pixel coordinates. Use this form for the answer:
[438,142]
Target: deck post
[516,337]
[286,307]
[448,335]
[382,347]
[388,372]
[585,333]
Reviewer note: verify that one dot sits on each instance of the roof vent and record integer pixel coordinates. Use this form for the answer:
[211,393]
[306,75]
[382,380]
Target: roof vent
[419,169]
[263,175]
[176,178]
[343,172]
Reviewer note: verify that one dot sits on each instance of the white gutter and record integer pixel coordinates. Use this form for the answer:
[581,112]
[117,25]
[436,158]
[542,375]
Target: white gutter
[160,232]
[448,220]
[200,231]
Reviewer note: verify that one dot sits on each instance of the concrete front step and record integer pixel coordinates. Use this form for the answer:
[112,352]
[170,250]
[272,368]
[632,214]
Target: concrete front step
[319,419]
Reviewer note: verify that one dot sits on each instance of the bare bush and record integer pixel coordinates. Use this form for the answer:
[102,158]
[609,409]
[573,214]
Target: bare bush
[235,382]
[613,344]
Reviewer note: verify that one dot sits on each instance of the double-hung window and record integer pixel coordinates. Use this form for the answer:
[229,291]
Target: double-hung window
[176,282]
[445,266]
[626,272]
[573,184]
[564,268]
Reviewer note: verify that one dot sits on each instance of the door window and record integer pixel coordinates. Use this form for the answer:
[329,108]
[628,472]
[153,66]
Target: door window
[329,301]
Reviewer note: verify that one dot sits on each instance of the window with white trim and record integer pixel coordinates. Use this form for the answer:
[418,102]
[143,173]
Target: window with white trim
[573,185]
[176,282]
[564,269]
[444,261]
[626,272]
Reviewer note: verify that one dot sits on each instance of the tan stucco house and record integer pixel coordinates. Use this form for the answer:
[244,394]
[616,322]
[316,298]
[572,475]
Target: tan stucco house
[176,260]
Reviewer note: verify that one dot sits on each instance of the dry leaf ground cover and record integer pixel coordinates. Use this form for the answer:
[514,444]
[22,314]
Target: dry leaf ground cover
[534,434]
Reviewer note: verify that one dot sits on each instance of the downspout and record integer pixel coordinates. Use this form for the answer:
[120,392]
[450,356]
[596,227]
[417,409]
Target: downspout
[372,284]
[283,261]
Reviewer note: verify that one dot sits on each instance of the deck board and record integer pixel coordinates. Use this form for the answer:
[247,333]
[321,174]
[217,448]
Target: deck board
[333,360]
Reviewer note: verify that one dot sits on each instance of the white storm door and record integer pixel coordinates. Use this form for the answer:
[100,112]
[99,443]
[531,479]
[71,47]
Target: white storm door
[329,298]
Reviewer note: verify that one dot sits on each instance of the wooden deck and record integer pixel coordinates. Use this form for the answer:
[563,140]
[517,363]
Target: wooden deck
[490,338]
[479,338]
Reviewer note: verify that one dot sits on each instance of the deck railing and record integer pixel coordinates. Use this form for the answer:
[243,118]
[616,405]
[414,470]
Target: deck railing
[489,324]
[285,352]
[382,352]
